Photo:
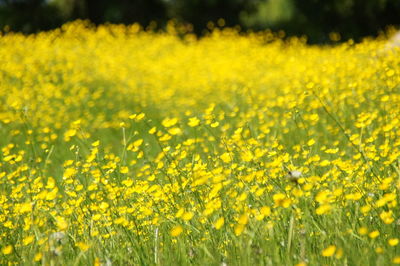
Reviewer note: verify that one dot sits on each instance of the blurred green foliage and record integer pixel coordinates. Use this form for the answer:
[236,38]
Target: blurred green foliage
[313,18]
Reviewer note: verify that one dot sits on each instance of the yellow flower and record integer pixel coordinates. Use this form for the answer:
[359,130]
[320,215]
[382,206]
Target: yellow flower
[137,143]
[323,209]
[239,228]
[25,207]
[139,117]
[52,194]
[393,242]
[38,256]
[281,200]
[247,156]
[62,224]
[365,209]
[329,251]
[82,246]
[323,196]
[176,231]
[311,142]
[363,231]
[169,122]
[175,131]
[193,122]
[266,211]
[187,216]
[387,217]
[104,205]
[27,240]
[379,250]
[7,250]
[124,170]
[374,234]
[96,217]
[325,163]
[219,223]
[226,157]
[243,219]
[97,262]
[96,143]
[180,212]
[152,130]
[339,253]
[215,124]
[396,260]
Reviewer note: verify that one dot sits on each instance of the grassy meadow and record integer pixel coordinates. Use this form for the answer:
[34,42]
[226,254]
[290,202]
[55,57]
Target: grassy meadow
[125,146]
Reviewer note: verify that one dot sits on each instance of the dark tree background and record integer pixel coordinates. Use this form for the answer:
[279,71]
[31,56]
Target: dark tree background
[314,18]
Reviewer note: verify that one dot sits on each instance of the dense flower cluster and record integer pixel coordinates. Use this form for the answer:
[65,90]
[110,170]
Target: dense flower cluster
[120,145]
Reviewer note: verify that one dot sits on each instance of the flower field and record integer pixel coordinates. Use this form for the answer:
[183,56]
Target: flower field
[124,146]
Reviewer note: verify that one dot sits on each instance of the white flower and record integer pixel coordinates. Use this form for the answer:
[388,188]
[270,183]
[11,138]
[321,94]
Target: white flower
[294,174]
[57,236]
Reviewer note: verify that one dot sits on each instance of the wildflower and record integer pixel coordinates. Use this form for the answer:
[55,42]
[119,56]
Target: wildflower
[281,200]
[323,209]
[139,117]
[169,122]
[339,253]
[152,130]
[62,224]
[27,240]
[387,217]
[365,209]
[374,234]
[243,219]
[7,249]
[96,143]
[393,242]
[82,246]
[215,124]
[104,205]
[193,122]
[187,216]
[363,231]
[266,211]
[175,131]
[176,231]
[219,223]
[226,157]
[38,256]
[96,217]
[124,170]
[311,142]
[379,250]
[239,228]
[329,251]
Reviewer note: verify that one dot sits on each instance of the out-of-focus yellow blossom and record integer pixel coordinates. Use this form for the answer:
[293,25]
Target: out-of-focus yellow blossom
[329,251]
[82,246]
[393,241]
[7,249]
[219,223]
[396,260]
[374,234]
[193,122]
[176,231]
[281,200]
